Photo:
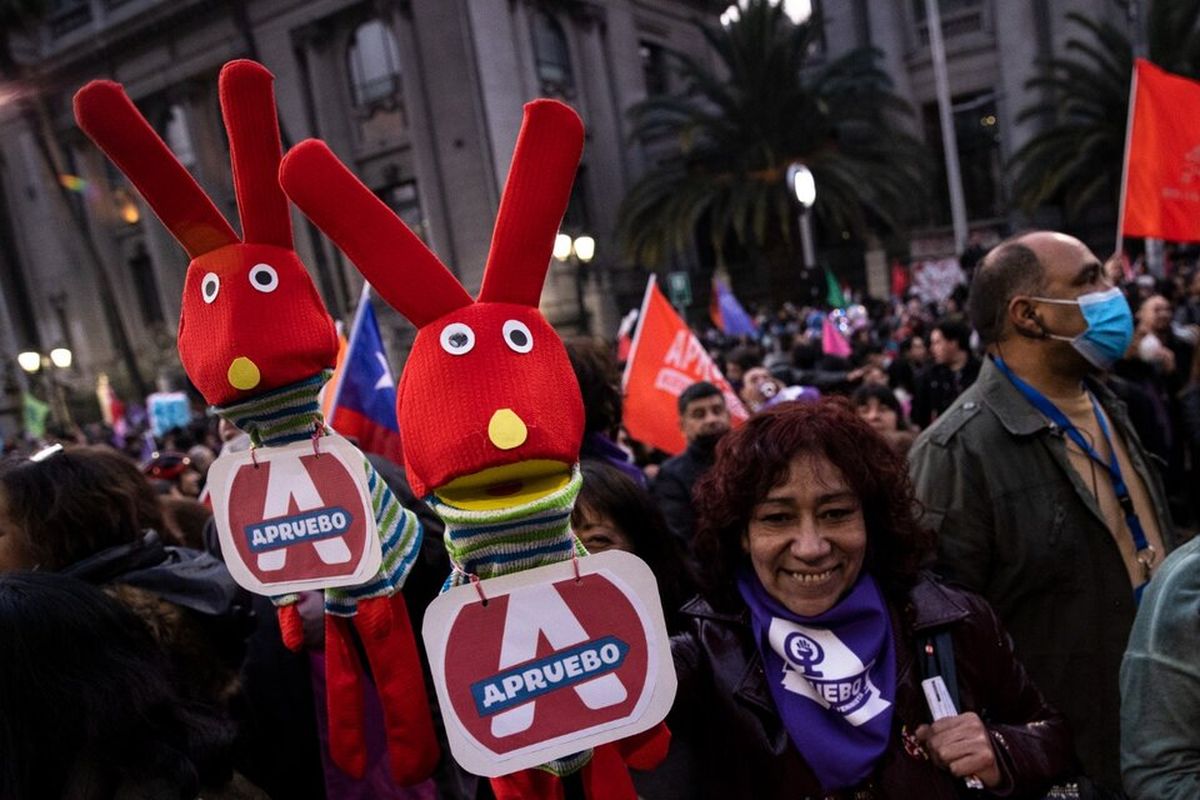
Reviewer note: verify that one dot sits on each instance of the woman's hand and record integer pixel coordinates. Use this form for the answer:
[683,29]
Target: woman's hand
[961,745]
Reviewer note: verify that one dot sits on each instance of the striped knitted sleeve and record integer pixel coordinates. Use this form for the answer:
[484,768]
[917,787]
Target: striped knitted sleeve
[400,534]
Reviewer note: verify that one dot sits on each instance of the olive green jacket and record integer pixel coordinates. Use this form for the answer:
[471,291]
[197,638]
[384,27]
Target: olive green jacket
[1017,524]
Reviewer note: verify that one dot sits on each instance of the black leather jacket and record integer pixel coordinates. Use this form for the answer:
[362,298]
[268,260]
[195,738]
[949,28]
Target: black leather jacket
[725,719]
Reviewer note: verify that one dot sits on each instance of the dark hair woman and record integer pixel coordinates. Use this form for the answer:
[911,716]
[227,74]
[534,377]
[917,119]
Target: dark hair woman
[798,670]
[86,709]
[614,513]
[88,512]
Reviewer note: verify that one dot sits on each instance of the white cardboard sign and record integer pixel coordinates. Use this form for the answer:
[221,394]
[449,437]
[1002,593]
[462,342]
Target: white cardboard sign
[553,662]
[295,518]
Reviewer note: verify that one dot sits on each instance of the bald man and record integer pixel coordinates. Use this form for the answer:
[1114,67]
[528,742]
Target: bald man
[1043,498]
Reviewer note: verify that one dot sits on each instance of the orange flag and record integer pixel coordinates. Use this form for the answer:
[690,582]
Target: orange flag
[666,358]
[1160,193]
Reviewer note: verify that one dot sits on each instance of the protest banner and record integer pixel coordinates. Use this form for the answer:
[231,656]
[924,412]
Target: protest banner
[666,358]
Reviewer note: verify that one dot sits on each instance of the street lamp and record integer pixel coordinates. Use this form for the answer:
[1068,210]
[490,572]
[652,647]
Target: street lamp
[803,189]
[577,251]
[30,361]
[60,357]
[798,11]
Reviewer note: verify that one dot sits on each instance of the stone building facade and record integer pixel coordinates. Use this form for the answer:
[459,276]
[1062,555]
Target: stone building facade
[422,98]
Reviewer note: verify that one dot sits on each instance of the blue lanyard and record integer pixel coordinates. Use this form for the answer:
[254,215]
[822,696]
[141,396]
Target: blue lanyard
[1112,465]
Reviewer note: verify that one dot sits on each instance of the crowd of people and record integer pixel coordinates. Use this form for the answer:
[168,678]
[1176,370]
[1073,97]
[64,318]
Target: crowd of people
[994,492]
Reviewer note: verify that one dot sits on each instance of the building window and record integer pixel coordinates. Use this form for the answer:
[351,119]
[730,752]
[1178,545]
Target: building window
[178,137]
[655,72]
[141,270]
[977,130]
[578,217]
[959,17]
[402,198]
[552,56]
[374,59]
[68,15]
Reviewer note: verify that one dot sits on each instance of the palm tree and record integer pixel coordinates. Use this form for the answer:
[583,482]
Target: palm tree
[1076,160]
[739,128]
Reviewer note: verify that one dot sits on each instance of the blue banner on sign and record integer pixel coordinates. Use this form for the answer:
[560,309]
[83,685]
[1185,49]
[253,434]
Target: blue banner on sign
[307,526]
[531,680]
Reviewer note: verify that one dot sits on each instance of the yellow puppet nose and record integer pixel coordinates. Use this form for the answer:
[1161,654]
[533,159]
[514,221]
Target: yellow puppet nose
[506,430]
[244,374]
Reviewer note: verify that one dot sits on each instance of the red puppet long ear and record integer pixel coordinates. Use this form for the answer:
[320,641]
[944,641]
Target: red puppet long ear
[109,118]
[395,261]
[535,198]
[248,105]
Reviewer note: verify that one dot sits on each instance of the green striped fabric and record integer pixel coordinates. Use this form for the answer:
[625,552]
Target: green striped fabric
[291,414]
[502,541]
[285,415]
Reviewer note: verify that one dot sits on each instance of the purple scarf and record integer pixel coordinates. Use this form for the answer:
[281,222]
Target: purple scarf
[833,677]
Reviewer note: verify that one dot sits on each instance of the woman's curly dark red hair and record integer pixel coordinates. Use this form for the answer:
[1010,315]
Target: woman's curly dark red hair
[757,456]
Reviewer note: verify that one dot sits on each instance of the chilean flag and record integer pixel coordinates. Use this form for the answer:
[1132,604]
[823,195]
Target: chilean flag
[363,404]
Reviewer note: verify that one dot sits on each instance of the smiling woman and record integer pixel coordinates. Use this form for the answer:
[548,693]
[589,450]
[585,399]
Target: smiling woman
[798,667]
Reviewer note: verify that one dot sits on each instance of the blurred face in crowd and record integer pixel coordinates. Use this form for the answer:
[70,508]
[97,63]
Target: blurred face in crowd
[917,351]
[875,375]
[944,350]
[733,372]
[807,537]
[706,417]
[879,416]
[12,555]
[598,532]
[758,387]
[1155,314]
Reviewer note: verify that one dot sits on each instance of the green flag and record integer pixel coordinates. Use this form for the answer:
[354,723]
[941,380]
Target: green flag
[833,292]
[35,416]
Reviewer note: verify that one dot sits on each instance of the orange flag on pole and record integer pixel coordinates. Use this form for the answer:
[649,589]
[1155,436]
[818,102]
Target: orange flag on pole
[1160,192]
[666,358]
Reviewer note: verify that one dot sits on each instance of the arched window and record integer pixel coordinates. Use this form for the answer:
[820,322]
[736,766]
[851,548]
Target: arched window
[552,56]
[374,59]
[178,138]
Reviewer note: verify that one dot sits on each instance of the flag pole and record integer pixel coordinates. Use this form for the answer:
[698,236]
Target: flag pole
[637,337]
[1125,161]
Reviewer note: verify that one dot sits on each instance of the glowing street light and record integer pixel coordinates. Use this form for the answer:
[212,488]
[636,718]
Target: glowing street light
[61,357]
[803,188]
[30,361]
[584,248]
[798,11]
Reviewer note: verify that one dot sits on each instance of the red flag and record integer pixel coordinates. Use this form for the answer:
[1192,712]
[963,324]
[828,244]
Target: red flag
[665,359]
[1160,194]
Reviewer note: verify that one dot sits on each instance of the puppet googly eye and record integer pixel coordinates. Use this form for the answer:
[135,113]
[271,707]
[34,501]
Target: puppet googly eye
[517,336]
[457,339]
[264,278]
[209,287]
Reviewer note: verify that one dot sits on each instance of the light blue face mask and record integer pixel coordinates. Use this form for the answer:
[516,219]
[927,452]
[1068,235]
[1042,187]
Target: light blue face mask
[1109,326]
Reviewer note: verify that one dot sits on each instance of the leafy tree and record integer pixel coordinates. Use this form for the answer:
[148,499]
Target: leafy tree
[1075,161]
[739,127]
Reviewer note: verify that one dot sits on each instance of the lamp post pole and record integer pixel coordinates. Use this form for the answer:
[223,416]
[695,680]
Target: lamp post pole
[578,252]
